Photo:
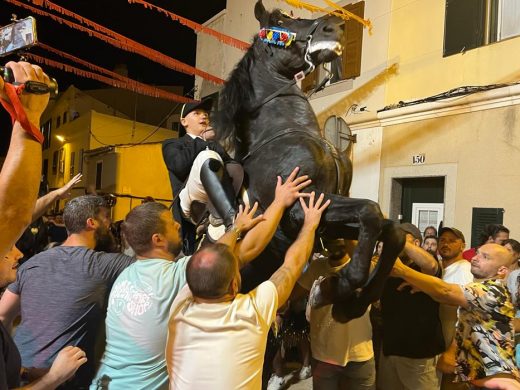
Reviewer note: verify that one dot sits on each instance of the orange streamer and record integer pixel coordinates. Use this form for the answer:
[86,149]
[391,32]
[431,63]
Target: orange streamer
[228,40]
[119,41]
[122,82]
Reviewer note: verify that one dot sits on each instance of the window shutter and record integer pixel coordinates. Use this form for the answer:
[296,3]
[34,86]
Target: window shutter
[480,218]
[353,42]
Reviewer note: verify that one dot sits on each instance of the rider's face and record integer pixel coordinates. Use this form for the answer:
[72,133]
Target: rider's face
[196,122]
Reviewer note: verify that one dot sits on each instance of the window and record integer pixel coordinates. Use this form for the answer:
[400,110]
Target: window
[55,162]
[474,23]
[45,168]
[58,121]
[72,163]
[348,66]
[65,117]
[481,216]
[46,131]
[99,173]
[81,152]
[62,161]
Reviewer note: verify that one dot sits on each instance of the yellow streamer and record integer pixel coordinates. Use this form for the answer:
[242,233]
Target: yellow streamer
[337,11]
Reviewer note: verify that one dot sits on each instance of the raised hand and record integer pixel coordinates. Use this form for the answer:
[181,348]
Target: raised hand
[64,192]
[33,104]
[245,219]
[314,210]
[288,192]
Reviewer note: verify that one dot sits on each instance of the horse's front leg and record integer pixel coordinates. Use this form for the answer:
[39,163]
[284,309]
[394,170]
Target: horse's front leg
[356,305]
[364,215]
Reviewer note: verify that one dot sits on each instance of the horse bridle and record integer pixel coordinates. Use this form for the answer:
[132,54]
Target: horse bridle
[306,37]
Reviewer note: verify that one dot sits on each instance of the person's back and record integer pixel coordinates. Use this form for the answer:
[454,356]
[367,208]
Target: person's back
[136,323]
[205,336]
[62,297]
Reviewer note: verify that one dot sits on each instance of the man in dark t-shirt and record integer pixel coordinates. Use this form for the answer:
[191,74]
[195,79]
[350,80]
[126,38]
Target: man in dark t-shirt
[412,331]
[61,293]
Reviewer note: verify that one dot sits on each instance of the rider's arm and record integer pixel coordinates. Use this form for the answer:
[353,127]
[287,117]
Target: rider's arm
[179,154]
[298,253]
[20,175]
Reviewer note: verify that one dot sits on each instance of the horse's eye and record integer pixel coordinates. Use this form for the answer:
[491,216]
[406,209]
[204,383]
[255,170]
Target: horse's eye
[280,22]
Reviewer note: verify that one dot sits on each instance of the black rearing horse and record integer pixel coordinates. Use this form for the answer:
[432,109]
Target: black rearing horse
[270,124]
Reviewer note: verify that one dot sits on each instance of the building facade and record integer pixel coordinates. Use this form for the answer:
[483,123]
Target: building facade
[117,155]
[426,155]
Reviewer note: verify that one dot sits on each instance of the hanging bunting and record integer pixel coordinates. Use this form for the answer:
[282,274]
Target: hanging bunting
[120,41]
[228,40]
[157,92]
[337,11]
[131,85]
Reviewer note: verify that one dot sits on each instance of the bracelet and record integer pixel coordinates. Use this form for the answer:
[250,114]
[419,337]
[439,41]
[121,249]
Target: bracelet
[237,231]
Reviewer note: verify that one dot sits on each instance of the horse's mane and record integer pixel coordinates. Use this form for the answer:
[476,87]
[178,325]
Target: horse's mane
[234,100]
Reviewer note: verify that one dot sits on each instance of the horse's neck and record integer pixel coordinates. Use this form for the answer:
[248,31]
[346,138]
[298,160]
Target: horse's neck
[289,110]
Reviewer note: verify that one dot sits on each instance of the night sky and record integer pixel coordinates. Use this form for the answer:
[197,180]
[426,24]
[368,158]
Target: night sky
[145,26]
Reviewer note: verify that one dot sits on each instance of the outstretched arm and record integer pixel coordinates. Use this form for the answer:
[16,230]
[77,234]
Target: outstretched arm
[448,293]
[20,175]
[296,257]
[286,194]
[423,259]
[43,203]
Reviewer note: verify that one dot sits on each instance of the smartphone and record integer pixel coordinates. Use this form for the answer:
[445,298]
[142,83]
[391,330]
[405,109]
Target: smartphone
[18,35]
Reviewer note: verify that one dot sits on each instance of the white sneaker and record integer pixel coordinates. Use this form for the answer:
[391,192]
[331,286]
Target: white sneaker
[275,382]
[305,373]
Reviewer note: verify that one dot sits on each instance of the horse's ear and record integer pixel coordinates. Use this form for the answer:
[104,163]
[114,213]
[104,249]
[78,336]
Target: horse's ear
[261,14]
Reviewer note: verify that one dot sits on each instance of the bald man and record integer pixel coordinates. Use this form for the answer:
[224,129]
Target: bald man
[484,334]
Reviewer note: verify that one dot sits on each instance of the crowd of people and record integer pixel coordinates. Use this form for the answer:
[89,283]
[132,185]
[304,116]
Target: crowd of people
[161,313]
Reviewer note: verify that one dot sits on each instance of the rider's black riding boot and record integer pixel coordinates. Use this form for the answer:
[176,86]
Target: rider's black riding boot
[219,189]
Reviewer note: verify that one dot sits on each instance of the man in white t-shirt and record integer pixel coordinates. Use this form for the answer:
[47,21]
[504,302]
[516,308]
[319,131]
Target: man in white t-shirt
[217,337]
[456,270]
[342,353]
[141,298]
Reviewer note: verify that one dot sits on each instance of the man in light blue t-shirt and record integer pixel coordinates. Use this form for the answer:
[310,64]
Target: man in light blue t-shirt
[140,300]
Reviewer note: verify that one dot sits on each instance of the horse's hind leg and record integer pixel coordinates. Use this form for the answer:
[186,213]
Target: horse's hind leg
[368,218]
[356,305]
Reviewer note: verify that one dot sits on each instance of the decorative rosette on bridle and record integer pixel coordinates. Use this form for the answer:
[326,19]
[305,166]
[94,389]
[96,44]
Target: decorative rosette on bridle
[277,36]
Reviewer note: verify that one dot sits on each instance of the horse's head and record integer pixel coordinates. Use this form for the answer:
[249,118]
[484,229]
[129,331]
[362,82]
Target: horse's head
[298,44]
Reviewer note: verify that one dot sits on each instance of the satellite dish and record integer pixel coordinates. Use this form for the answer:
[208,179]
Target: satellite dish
[337,132]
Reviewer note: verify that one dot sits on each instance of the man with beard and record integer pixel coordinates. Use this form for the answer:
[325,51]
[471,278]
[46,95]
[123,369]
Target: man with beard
[484,335]
[61,293]
[140,300]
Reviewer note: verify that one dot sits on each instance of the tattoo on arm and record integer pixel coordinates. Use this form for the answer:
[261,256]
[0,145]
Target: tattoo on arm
[284,280]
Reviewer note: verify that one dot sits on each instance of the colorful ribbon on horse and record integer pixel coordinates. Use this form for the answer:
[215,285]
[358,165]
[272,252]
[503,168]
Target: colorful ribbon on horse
[15,109]
[277,36]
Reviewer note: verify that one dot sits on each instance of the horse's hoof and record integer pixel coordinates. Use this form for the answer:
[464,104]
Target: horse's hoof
[322,291]
[346,311]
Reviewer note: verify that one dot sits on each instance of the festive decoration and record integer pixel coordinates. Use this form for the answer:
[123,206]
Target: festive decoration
[121,82]
[277,36]
[228,40]
[337,11]
[118,40]
[136,85]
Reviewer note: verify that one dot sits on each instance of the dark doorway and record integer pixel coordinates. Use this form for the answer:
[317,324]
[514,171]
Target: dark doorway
[417,190]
